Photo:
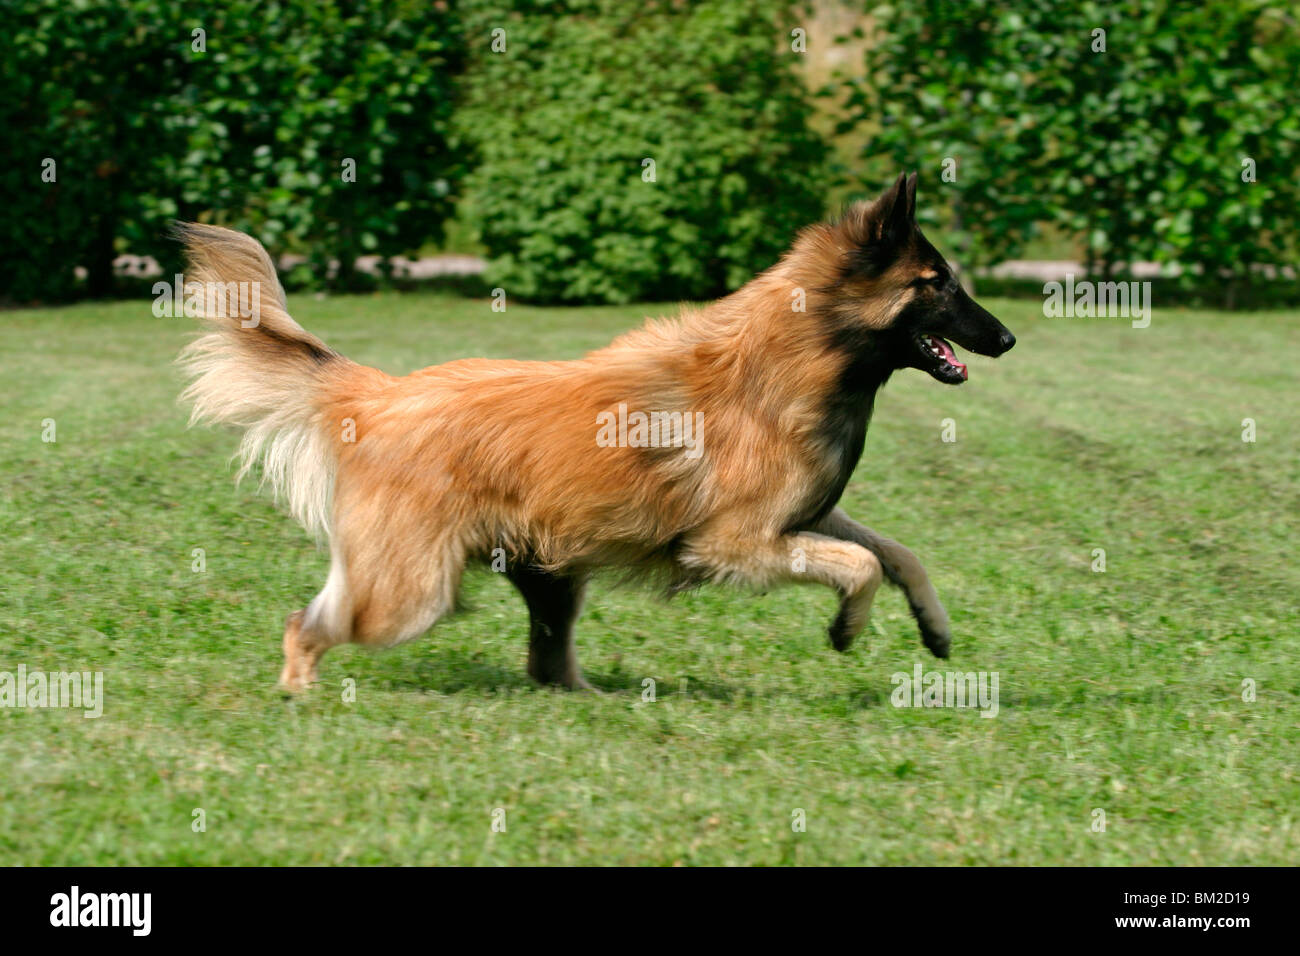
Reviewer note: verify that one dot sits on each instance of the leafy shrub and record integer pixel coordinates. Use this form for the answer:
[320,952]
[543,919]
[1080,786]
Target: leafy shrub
[583,94]
[247,124]
[1138,149]
[86,86]
[289,99]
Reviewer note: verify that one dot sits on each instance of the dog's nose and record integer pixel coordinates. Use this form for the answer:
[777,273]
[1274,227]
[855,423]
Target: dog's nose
[1007,340]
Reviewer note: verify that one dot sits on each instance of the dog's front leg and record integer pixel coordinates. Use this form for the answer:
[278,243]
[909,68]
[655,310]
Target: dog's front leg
[903,569]
[852,570]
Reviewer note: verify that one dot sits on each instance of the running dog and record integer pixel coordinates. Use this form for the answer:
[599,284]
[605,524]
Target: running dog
[712,447]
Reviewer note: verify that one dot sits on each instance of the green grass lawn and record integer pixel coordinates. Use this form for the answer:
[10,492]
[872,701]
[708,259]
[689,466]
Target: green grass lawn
[1119,691]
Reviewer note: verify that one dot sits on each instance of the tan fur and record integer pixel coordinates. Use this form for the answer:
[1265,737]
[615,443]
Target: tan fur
[455,460]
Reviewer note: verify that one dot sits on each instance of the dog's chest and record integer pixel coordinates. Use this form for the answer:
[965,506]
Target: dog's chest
[837,447]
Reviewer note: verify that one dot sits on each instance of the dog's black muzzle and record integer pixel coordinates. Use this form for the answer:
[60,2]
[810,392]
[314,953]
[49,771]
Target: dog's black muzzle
[976,330]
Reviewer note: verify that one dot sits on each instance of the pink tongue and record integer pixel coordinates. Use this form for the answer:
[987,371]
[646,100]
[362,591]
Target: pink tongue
[948,355]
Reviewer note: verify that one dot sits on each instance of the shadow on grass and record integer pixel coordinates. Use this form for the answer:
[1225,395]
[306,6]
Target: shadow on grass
[450,672]
[453,671]
[1074,699]
[620,682]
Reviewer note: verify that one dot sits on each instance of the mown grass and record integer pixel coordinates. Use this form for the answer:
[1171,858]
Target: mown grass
[1119,691]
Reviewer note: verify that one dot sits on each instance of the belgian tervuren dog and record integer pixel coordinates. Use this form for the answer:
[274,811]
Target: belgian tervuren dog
[712,447]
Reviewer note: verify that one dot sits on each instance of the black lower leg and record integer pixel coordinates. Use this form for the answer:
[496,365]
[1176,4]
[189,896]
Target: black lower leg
[553,603]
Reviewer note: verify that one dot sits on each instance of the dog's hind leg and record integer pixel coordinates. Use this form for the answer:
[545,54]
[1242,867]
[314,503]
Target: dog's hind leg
[371,599]
[554,601]
[309,633]
[303,647]
[903,569]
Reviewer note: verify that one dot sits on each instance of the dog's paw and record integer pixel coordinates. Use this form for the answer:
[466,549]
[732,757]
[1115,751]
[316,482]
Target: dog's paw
[295,680]
[851,619]
[841,631]
[932,620]
[293,689]
[938,641]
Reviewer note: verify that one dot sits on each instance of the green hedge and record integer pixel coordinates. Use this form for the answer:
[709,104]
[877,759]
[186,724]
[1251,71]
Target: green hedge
[87,86]
[1136,149]
[583,94]
[251,131]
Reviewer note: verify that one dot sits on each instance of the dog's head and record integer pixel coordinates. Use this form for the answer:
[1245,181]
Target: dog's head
[894,290]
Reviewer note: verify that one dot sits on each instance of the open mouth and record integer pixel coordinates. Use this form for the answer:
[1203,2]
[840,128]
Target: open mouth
[941,360]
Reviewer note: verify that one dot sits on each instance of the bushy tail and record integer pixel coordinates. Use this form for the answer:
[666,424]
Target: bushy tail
[259,369]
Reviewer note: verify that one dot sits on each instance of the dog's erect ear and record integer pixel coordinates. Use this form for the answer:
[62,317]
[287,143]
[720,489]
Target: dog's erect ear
[877,231]
[897,206]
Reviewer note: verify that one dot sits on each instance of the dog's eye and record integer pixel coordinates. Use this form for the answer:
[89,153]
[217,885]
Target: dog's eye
[933,282]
